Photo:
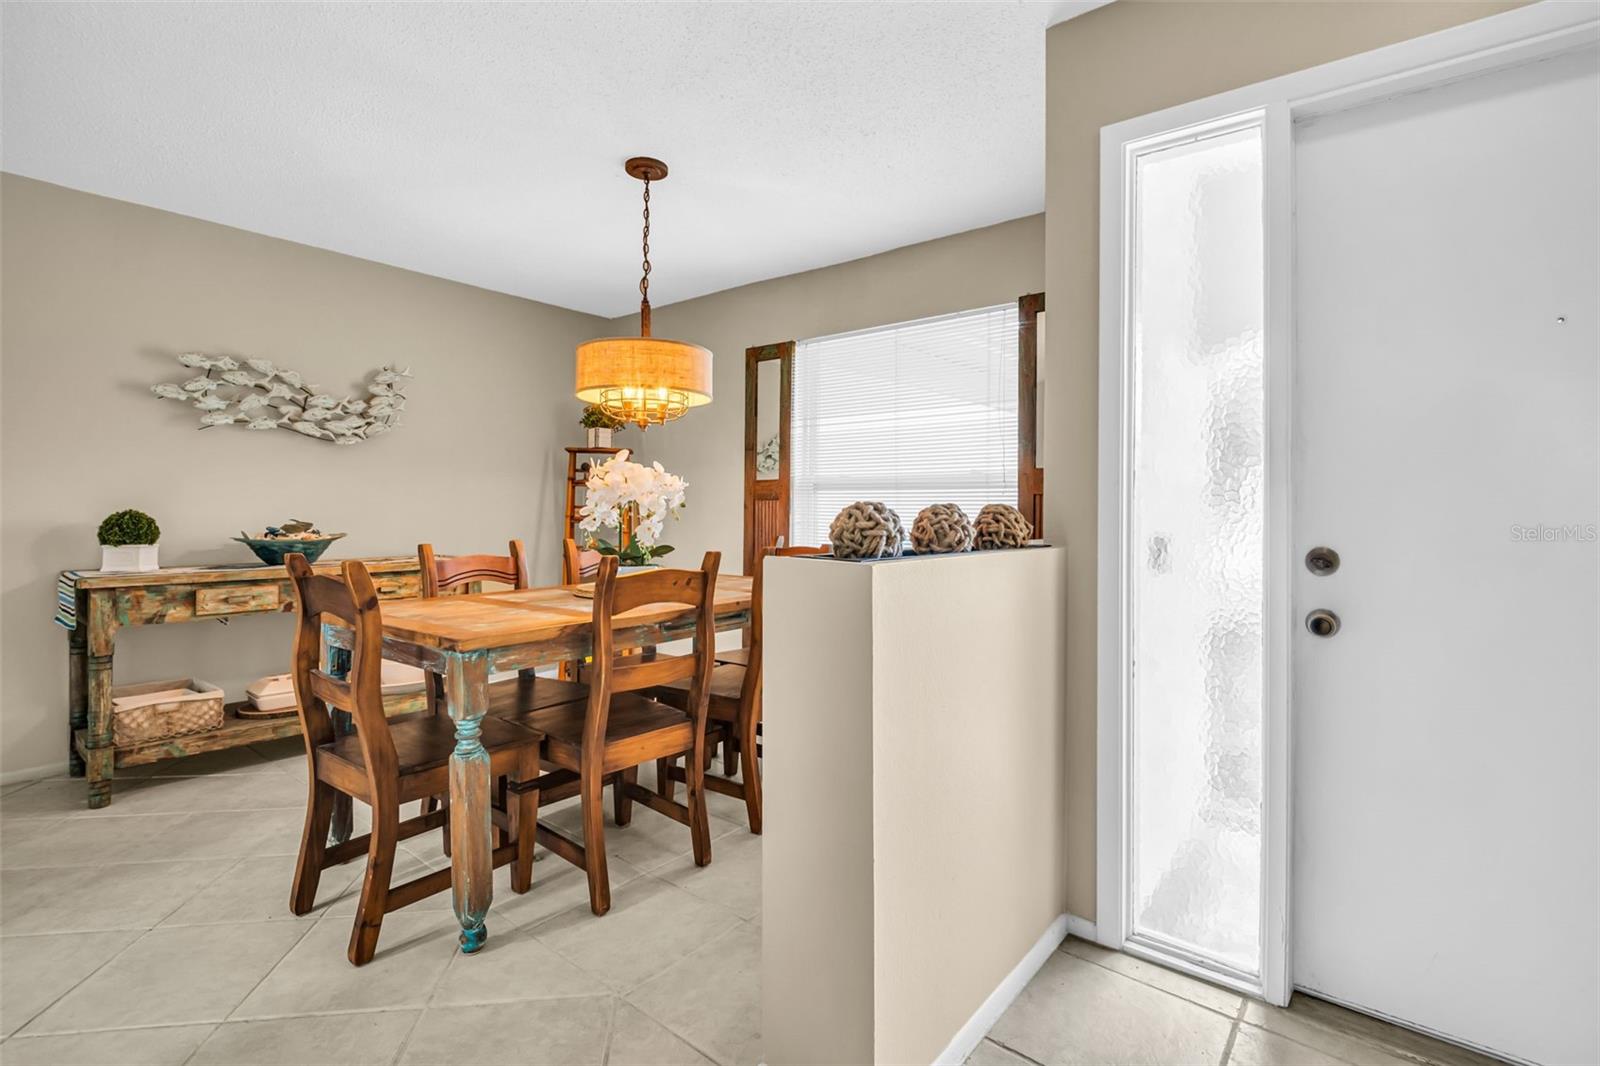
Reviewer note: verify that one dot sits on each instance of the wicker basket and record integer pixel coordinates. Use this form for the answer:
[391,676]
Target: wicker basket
[156,710]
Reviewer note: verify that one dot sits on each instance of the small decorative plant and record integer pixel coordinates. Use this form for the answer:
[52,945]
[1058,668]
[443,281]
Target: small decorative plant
[635,500]
[597,417]
[128,541]
[122,528]
[599,422]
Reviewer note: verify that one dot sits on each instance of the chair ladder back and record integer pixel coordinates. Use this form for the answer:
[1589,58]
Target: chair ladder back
[614,596]
[630,674]
[658,586]
[577,564]
[352,603]
[442,575]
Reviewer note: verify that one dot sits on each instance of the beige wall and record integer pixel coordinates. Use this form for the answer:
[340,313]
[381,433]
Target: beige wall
[895,902]
[98,295]
[1114,63]
[974,269]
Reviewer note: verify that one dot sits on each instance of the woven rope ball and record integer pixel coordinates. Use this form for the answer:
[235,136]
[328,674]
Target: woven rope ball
[1000,525]
[866,530]
[940,528]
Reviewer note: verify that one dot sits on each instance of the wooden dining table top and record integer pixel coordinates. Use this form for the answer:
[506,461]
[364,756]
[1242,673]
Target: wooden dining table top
[530,616]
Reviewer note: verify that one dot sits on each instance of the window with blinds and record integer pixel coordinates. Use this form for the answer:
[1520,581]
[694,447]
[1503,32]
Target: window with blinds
[910,414]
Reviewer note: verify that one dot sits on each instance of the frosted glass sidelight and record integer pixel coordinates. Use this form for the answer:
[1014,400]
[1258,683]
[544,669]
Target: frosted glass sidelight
[1197,550]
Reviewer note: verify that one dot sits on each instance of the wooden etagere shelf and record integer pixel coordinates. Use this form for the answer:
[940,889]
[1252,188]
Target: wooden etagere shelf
[579,460]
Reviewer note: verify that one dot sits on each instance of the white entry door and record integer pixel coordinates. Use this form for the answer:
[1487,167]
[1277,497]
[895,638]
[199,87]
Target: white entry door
[1445,759]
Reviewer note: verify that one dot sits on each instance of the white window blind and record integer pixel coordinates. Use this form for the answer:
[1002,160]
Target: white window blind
[911,414]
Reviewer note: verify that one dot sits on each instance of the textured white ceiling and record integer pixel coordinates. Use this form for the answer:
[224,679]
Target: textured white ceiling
[484,142]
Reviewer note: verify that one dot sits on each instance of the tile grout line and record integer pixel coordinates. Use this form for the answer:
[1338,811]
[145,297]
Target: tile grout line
[611,1033]
[701,950]
[1367,1042]
[391,1008]
[1008,1047]
[427,1000]
[201,1043]
[142,933]
[146,1028]
[1237,1014]
[305,932]
[1233,1034]
[68,991]
[1326,1053]
[179,1024]
[704,948]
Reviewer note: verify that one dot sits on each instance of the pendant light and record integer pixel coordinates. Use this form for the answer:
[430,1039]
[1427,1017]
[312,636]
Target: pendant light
[644,379]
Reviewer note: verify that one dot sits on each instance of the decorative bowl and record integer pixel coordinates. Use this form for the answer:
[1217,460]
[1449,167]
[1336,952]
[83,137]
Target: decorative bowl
[271,550]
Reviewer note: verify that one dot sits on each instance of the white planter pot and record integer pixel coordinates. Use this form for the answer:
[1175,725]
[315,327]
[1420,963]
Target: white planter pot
[600,438]
[634,569]
[129,557]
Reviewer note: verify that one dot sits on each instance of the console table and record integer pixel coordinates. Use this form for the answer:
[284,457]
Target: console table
[94,605]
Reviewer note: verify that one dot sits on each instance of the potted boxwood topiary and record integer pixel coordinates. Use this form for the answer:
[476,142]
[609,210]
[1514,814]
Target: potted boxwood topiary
[128,541]
[599,424]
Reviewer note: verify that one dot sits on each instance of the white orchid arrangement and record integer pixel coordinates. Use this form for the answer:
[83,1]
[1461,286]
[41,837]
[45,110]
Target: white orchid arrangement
[635,500]
[258,395]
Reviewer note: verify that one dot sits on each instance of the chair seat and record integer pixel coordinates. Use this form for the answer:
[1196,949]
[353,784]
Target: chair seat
[727,685]
[518,696]
[734,656]
[424,743]
[637,729]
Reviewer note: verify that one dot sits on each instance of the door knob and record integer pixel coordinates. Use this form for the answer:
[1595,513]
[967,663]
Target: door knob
[1322,623]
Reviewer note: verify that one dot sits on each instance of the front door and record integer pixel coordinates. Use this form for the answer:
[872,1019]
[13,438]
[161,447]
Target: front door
[1445,433]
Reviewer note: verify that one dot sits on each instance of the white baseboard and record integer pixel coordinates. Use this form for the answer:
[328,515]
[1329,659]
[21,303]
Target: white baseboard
[1082,928]
[33,773]
[1005,994]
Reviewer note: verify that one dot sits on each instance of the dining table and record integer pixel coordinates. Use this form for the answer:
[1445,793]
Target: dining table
[466,639]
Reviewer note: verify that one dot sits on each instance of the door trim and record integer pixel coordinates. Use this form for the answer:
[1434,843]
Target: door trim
[772,490]
[1524,35]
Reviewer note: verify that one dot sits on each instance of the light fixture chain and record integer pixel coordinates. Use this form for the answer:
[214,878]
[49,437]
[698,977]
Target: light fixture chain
[644,282]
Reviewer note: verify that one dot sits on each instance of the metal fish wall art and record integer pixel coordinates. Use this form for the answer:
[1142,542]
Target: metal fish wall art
[257,395]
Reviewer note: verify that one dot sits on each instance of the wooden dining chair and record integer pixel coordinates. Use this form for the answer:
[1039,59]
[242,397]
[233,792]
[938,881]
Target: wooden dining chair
[382,763]
[741,656]
[733,712]
[459,573]
[577,564]
[606,739]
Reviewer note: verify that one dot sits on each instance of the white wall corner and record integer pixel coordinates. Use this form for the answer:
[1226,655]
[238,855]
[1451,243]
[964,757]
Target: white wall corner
[1083,929]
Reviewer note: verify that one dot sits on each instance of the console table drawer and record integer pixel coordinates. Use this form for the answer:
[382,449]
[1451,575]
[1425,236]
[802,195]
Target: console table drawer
[216,600]
[397,586]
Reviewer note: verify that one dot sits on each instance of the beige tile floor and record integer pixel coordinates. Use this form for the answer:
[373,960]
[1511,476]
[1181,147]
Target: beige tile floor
[1091,1005]
[156,931]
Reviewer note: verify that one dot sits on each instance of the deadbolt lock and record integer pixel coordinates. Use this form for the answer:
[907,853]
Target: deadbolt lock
[1322,623]
[1322,561]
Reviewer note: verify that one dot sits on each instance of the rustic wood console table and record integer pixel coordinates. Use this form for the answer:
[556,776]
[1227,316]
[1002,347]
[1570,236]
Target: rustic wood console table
[95,605]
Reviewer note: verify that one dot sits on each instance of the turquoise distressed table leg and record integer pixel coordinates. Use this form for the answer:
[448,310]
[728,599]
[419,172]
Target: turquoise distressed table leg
[466,691]
[338,666]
